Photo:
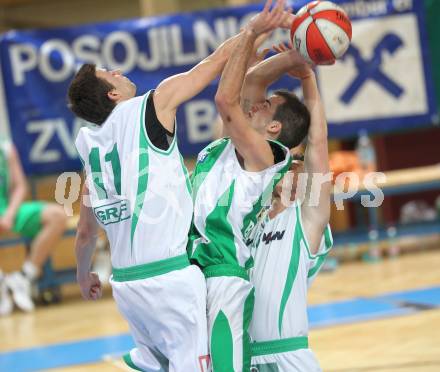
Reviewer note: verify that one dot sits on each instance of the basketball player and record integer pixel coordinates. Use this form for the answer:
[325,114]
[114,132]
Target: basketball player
[138,191]
[232,179]
[42,222]
[293,241]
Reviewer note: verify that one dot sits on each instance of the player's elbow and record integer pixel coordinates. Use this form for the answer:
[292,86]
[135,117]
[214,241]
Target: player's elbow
[223,103]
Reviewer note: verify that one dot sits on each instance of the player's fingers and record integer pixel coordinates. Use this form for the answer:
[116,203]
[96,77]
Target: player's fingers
[286,16]
[263,54]
[279,8]
[267,6]
[276,48]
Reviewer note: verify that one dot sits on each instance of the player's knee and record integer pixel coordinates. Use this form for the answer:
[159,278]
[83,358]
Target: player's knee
[55,214]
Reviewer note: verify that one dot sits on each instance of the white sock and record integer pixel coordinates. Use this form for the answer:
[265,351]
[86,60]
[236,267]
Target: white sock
[30,270]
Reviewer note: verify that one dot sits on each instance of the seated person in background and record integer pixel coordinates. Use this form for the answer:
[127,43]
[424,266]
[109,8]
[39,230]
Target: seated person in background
[43,223]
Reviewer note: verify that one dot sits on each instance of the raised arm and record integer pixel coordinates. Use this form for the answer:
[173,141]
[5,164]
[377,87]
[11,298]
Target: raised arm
[250,144]
[259,77]
[179,88]
[316,206]
[85,242]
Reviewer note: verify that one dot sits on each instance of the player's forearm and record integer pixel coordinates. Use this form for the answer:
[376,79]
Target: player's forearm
[231,82]
[85,243]
[316,206]
[269,70]
[259,77]
[318,125]
[177,89]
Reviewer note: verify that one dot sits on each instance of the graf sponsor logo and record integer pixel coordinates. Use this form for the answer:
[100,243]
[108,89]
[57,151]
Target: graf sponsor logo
[113,213]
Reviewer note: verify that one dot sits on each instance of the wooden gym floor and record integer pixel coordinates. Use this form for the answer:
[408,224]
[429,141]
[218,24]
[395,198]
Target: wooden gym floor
[398,340]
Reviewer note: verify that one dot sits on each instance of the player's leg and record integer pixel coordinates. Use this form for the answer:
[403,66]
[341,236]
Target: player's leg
[143,356]
[172,309]
[230,306]
[44,224]
[184,324]
[52,224]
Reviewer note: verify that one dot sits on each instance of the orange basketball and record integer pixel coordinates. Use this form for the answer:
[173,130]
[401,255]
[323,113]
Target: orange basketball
[321,32]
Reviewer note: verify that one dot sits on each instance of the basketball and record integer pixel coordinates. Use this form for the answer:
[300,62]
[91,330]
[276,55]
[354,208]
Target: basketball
[321,32]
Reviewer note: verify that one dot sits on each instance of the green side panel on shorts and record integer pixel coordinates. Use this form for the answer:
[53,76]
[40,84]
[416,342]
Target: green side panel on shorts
[267,367]
[247,316]
[129,362]
[221,248]
[142,174]
[291,273]
[213,152]
[28,219]
[221,345]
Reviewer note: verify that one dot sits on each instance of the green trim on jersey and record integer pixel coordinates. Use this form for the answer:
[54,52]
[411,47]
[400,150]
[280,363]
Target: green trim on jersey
[328,241]
[222,345]
[154,148]
[226,270]
[212,152]
[127,359]
[291,273]
[187,178]
[279,346]
[327,235]
[317,266]
[150,270]
[142,174]
[221,246]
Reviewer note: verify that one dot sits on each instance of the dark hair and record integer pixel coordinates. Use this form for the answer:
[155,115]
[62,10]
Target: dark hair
[294,117]
[88,97]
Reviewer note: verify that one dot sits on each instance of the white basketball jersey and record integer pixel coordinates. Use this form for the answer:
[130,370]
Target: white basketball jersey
[139,194]
[227,203]
[283,270]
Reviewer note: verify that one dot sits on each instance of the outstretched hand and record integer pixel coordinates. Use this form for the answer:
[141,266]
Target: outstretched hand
[300,69]
[270,19]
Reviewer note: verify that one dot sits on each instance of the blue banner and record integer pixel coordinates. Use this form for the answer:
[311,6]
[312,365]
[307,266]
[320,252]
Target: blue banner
[370,88]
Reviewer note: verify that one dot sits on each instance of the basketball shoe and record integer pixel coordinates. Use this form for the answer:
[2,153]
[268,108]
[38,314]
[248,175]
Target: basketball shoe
[20,286]
[5,300]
